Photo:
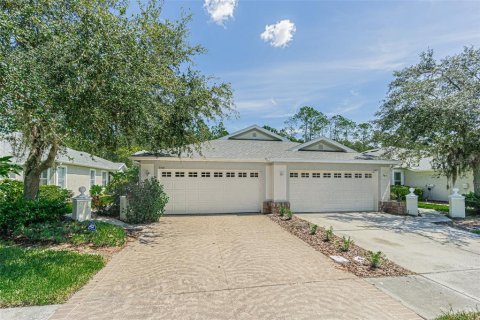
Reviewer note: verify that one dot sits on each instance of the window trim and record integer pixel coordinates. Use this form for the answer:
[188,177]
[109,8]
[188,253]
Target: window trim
[57,176]
[402,178]
[47,179]
[104,185]
[94,177]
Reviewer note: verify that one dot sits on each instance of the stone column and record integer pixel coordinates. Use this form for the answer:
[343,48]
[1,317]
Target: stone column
[82,206]
[456,205]
[412,203]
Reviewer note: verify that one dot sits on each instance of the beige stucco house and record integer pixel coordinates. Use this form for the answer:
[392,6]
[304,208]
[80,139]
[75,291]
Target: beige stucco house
[254,168]
[72,169]
[421,174]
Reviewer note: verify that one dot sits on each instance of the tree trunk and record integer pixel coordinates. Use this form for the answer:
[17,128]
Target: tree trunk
[476,177]
[34,166]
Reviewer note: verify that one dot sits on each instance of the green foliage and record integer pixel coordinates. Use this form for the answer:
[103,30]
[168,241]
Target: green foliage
[289,214]
[74,232]
[329,234]
[146,201]
[346,243]
[54,193]
[431,109]
[313,229]
[87,75]
[472,200]
[310,121]
[462,315]
[399,192]
[375,259]
[10,190]
[7,167]
[120,185]
[96,190]
[282,211]
[435,206]
[38,277]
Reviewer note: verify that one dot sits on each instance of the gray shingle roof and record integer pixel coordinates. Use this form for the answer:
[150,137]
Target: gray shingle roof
[262,150]
[422,164]
[69,156]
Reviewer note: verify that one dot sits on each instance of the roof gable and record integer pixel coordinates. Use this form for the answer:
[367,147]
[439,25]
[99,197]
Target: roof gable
[323,144]
[254,133]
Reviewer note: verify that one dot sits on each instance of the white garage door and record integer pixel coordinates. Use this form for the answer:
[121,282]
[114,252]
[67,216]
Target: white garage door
[322,191]
[211,191]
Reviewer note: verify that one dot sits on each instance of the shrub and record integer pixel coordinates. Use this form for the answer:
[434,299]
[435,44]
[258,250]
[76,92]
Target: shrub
[472,200]
[313,229]
[282,211]
[399,192]
[346,243]
[10,190]
[54,193]
[100,201]
[146,201]
[289,214]
[329,234]
[120,185]
[375,259]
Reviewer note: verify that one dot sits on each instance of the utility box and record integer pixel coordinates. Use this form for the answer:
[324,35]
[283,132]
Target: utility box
[82,206]
[456,205]
[412,203]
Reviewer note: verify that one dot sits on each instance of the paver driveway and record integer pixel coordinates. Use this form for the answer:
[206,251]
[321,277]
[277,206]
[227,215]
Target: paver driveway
[226,267]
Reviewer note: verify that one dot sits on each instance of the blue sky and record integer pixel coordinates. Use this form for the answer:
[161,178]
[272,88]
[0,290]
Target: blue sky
[340,57]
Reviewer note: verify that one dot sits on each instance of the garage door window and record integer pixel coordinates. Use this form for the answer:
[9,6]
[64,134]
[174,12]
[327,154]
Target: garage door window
[166,174]
[327,175]
[337,175]
[205,174]
[293,175]
[217,174]
[348,175]
[305,174]
[368,175]
[192,174]
[179,174]
[358,175]
[230,174]
[242,174]
[253,174]
[316,175]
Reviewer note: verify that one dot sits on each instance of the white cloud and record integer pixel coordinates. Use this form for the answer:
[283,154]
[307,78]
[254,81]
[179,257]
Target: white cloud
[220,10]
[279,34]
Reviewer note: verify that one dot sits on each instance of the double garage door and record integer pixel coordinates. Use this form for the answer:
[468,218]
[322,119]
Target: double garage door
[212,191]
[323,191]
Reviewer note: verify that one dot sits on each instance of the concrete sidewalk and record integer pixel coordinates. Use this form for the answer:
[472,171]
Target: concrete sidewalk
[447,260]
[226,267]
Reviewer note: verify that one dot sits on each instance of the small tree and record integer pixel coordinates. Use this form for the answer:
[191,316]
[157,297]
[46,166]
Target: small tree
[433,109]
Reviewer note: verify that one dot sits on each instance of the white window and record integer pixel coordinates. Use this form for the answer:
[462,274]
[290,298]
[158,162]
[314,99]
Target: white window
[93,174]
[45,177]
[217,174]
[368,175]
[293,174]
[166,174]
[397,178]
[192,174]
[104,178]
[358,175]
[230,174]
[337,175]
[205,174]
[179,174]
[316,175]
[305,175]
[327,175]
[347,175]
[253,174]
[62,177]
[242,174]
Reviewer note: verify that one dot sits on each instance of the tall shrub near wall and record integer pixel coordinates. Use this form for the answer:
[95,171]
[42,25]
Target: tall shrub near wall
[146,201]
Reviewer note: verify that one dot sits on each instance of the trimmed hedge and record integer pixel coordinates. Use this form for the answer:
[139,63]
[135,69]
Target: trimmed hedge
[399,192]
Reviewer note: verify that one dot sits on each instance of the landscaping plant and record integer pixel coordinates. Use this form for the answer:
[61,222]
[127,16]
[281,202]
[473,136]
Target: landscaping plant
[146,201]
[289,214]
[346,243]
[282,211]
[375,259]
[313,229]
[329,234]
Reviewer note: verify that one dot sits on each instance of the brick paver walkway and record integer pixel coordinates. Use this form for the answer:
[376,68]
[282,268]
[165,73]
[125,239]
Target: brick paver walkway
[226,267]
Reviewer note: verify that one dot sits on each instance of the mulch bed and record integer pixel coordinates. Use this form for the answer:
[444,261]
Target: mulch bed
[301,229]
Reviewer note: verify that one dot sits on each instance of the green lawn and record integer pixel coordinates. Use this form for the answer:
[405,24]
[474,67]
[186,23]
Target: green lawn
[32,276]
[435,206]
[460,316]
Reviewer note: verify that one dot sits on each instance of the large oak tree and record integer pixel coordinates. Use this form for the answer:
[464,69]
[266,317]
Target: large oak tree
[433,109]
[86,73]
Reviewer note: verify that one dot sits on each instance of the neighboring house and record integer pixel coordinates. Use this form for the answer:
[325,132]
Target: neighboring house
[72,169]
[423,176]
[254,168]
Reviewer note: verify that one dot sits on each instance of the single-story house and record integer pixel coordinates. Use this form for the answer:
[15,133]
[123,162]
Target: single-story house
[252,169]
[72,169]
[422,175]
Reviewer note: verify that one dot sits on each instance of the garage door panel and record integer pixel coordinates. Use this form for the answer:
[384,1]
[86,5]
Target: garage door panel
[344,192]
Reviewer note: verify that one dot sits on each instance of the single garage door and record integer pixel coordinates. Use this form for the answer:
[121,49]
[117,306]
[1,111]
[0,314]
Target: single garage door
[212,191]
[322,191]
